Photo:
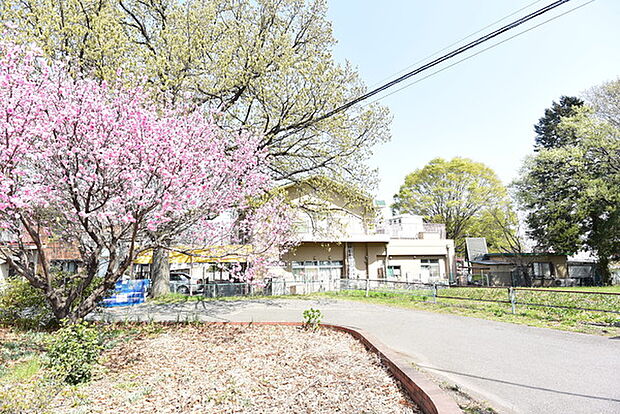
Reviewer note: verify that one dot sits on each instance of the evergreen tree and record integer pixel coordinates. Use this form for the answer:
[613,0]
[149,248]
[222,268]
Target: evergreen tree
[548,133]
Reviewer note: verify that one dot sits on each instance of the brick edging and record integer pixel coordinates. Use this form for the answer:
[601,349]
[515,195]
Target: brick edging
[427,395]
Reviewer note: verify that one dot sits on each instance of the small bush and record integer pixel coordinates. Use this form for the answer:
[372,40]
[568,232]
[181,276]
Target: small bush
[23,306]
[73,352]
[312,319]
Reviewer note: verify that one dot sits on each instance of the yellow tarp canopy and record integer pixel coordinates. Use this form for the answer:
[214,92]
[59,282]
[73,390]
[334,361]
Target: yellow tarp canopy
[212,254]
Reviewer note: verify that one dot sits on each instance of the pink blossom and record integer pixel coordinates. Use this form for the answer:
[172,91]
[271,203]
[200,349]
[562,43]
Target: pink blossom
[109,166]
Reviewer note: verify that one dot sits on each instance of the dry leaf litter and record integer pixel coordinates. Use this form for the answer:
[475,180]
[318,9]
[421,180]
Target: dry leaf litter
[240,369]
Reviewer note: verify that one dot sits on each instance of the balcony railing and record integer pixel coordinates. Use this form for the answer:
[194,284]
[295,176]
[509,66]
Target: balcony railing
[412,231]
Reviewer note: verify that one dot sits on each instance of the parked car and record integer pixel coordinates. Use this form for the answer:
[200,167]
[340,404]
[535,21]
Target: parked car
[181,282]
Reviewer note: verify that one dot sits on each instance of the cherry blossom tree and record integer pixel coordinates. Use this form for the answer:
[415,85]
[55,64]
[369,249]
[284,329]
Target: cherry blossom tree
[99,168]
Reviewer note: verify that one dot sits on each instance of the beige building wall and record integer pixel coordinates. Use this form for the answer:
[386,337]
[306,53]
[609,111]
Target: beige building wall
[368,256]
[343,218]
[368,268]
[409,253]
[315,251]
[308,251]
[372,258]
[560,265]
[347,232]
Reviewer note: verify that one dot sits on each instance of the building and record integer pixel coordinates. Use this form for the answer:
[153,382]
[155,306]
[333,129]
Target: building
[205,265]
[614,269]
[352,237]
[4,271]
[507,269]
[62,256]
[5,238]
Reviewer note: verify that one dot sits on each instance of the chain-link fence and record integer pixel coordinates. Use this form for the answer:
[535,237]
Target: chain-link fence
[511,297]
[269,287]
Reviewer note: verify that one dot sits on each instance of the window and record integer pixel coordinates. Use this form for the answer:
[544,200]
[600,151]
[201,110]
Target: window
[142,271]
[66,266]
[393,271]
[301,227]
[430,267]
[312,270]
[542,269]
[223,272]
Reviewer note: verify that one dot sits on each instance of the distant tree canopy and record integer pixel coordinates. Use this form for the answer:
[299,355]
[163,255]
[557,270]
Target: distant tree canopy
[571,190]
[465,195]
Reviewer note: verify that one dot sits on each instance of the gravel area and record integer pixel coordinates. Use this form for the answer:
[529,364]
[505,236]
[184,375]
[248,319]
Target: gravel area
[239,369]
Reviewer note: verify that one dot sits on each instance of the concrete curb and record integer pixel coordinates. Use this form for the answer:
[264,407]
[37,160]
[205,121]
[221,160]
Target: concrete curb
[426,394]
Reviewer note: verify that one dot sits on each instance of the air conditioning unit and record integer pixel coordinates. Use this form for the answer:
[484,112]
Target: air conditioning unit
[564,282]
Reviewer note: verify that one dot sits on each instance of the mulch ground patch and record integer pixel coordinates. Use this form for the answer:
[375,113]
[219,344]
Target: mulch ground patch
[239,369]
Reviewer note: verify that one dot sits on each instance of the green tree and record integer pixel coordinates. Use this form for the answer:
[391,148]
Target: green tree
[465,195]
[571,192]
[264,66]
[548,132]
[605,100]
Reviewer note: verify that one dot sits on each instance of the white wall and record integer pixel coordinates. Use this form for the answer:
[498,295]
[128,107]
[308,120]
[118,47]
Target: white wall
[4,273]
[408,254]
[411,269]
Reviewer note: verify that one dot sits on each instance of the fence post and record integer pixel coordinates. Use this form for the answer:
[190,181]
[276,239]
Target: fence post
[513,299]
[434,292]
[367,286]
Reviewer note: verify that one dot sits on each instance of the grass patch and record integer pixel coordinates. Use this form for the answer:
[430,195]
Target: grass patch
[471,302]
[604,289]
[23,370]
[28,385]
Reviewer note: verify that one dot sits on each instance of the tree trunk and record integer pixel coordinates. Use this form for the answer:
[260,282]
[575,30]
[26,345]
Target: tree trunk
[160,273]
[603,269]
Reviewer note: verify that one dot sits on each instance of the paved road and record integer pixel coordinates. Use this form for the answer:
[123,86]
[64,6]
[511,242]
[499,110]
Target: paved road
[517,369]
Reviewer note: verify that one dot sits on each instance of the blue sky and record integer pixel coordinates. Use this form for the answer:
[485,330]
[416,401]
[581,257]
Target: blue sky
[483,108]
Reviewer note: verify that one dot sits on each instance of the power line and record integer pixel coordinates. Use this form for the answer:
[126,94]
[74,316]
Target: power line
[477,53]
[431,64]
[455,43]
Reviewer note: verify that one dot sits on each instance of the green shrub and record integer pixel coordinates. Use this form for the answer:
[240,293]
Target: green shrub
[73,352]
[23,306]
[312,319]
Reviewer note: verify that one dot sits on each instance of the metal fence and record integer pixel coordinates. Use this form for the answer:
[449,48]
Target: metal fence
[278,287]
[513,297]
[608,302]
